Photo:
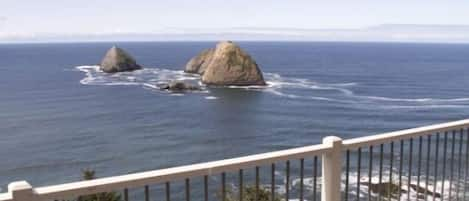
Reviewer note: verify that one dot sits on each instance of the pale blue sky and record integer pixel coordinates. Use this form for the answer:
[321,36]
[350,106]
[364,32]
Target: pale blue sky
[23,17]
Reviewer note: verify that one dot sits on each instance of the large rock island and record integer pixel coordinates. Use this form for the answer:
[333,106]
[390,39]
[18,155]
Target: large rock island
[199,63]
[117,60]
[226,64]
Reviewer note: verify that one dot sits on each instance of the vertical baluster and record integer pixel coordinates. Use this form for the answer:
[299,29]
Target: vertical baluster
[445,143]
[257,183]
[370,171]
[459,164]
[206,188]
[451,164]
[347,167]
[315,175]
[467,164]
[411,144]
[241,185]
[188,190]
[359,165]
[419,160]
[401,163]
[287,181]
[427,169]
[126,194]
[272,183]
[380,177]
[168,192]
[302,166]
[437,146]
[223,186]
[390,169]
[147,193]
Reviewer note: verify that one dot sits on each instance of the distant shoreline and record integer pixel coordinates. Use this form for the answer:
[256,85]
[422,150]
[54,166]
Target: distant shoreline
[241,41]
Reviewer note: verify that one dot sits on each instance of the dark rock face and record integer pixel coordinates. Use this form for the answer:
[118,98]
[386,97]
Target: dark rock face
[226,65]
[117,60]
[385,189]
[392,190]
[423,191]
[178,86]
[199,63]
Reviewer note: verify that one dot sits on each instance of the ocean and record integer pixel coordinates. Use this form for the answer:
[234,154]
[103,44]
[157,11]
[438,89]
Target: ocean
[60,115]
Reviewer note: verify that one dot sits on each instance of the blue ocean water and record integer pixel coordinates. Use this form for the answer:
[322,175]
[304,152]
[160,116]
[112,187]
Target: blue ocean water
[60,115]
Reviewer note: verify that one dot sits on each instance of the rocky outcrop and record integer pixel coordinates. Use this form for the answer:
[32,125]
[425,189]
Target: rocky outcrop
[225,65]
[199,63]
[179,86]
[387,189]
[117,60]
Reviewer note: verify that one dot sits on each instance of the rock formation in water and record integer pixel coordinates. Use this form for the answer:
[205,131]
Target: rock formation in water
[387,189]
[117,60]
[179,86]
[227,64]
[199,63]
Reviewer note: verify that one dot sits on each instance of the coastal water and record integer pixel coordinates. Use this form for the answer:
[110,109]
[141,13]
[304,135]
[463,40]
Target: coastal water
[60,115]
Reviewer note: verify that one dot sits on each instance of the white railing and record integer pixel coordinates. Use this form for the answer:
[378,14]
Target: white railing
[331,150]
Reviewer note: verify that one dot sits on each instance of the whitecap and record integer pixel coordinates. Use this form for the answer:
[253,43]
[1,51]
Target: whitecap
[308,183]
[211,97]
[434,100]
[152,86]
[424,106]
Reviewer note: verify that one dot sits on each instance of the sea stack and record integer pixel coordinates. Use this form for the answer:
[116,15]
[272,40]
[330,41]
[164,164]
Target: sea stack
[199,63]
[117,60]
[227,64]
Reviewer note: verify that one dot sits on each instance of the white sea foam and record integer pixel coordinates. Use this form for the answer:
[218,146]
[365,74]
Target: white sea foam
[281,86]
[433,100]
[148,78]
[418,107]
[308,186]
[211,97]
[308,183]
[276,84]
[286,87]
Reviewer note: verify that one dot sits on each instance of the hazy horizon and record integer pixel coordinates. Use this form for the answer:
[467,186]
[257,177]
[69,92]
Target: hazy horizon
[379,33]
[181,20]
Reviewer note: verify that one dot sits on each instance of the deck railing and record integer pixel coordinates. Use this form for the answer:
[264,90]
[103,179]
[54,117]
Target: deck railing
[425,163]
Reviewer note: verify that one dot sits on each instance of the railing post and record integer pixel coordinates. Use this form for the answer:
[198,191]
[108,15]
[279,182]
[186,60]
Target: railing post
[332,169]
[21,191]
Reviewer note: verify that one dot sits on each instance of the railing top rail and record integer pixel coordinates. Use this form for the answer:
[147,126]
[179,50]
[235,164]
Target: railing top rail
[176,173]
[107,184]
[378,139]
[6,197]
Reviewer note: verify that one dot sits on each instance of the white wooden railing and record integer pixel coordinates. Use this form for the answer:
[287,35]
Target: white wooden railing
[331,151]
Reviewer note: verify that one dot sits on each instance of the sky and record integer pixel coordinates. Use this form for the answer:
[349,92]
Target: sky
[23,19]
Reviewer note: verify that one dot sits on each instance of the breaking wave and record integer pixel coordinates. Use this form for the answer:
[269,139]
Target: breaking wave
[287,87]
[417,192]
[148,78]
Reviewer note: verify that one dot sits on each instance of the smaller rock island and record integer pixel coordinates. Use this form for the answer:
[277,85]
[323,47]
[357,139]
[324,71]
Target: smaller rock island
[179,86]
[117,60]
[226,64]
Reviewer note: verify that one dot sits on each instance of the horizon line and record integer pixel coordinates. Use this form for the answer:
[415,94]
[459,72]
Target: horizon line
[204,41]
